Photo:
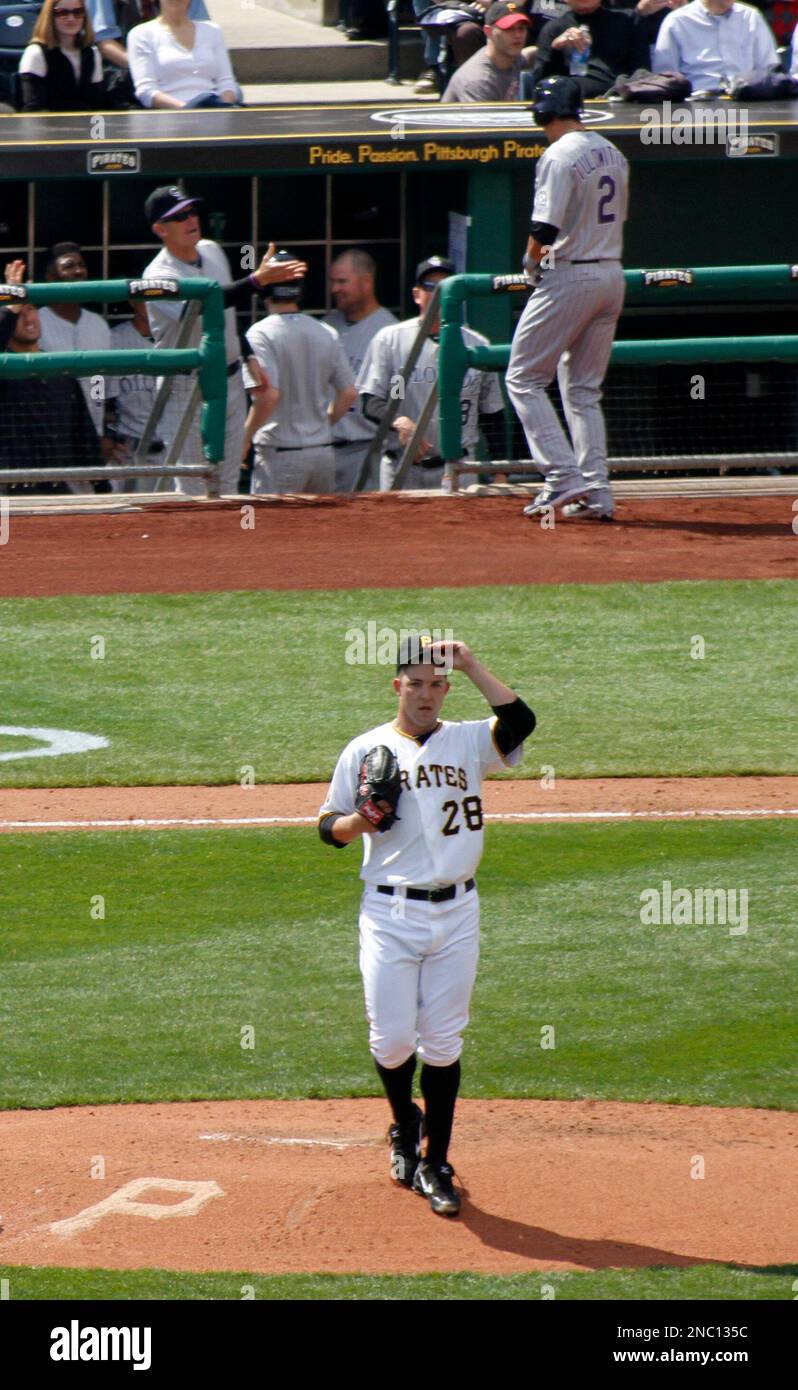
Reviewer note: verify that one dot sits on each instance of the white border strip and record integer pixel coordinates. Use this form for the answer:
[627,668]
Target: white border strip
[189,821]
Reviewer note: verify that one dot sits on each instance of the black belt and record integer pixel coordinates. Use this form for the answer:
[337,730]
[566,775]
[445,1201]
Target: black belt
[155,448]
[233,367]
[597,260]
[429,895]
[297,448]
[437,462]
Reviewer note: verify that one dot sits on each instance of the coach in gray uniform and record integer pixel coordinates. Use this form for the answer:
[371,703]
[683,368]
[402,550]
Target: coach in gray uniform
[480,398]
[308,389]
[358,315]
[174,218]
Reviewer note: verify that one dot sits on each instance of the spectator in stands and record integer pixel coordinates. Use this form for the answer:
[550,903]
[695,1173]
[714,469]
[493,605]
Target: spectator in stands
[176,61]
[45,420]
[618,44]
[113,21]
[714,41]
[71,328]
[61,68]
[357,316]
[492,73]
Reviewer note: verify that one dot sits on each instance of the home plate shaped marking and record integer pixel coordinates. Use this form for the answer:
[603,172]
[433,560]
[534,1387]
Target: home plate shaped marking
[124,1203]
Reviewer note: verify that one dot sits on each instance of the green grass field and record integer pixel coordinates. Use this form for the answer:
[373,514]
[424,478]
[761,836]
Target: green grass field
[700,1282]
[208,931]
[193,688]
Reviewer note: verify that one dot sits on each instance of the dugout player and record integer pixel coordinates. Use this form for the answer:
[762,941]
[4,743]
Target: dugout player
[309,387]
[419,915]
[357,316]
[71,328]
[574,253]
[46,423]
[382,375]
[175,219]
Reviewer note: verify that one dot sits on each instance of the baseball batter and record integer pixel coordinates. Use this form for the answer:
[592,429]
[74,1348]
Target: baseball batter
[412,789]
[574,253]
[481,404]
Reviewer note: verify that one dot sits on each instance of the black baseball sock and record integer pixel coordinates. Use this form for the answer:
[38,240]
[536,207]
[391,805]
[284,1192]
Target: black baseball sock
[398,1083]
[439,1087]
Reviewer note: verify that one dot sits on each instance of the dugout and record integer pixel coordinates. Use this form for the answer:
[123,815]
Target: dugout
[401,181]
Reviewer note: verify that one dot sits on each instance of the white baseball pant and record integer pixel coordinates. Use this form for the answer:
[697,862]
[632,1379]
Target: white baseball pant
[567,328]
[419,962]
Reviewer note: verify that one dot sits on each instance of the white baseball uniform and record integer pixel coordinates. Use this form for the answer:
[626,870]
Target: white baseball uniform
[380,376]
[353,433]
[165,316]
[89,333]
[568,325]
[418,959]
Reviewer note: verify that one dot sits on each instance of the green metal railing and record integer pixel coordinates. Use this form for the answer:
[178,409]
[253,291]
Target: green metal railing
[703,285]
[208,358]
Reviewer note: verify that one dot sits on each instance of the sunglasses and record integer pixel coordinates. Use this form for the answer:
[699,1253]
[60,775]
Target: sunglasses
[76,13]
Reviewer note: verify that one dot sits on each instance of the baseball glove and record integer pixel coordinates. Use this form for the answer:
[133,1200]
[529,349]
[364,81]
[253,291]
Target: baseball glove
[379,786]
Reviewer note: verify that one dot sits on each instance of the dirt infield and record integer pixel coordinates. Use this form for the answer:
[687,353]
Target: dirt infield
[604,798]
[303,1185]
[392,542]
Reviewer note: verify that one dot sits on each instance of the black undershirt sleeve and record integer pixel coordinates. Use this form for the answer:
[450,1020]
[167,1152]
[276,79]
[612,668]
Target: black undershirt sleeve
[325,830]
[516,722]
[239,294]
[544,233]
[373,407]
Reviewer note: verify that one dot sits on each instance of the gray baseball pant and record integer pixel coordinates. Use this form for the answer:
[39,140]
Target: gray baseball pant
[567,328]
[293,470]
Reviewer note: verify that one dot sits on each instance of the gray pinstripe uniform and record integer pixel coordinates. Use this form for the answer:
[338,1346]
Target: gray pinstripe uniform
[568,325]
[307,364]
[353,433]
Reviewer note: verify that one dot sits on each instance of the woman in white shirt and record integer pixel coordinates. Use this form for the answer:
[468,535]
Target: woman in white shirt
[61,69]
[177,62]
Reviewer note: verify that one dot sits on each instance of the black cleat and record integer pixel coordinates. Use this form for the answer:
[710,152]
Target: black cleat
[405,1141]
[434,1180]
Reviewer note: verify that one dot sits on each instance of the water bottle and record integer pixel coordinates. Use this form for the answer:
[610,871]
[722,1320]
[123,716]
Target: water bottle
[579,61]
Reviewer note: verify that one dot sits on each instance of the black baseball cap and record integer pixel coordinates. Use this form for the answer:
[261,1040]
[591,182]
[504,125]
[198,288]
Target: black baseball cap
[414,651]
[165,203]
[505,15]
[441,264]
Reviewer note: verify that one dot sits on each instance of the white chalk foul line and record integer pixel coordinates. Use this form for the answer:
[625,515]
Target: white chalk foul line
[153,822]
[291,1143]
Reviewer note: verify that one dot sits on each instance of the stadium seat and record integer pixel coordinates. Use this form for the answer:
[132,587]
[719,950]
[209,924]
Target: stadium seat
[16,27]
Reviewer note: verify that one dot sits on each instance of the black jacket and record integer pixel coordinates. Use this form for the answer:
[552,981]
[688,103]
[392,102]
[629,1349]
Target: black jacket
[59,91]
[619,43]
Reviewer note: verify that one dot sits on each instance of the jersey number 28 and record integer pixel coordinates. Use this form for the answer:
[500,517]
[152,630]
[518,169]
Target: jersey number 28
[472,815]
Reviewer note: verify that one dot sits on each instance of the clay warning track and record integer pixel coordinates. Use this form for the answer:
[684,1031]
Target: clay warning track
[279,1187]
[605,798]
[378,541]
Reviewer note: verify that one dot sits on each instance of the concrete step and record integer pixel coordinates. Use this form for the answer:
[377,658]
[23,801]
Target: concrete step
[268,46]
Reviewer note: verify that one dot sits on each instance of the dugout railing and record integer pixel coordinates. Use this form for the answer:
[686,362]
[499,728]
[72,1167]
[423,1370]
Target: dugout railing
[702,286]
[207,360]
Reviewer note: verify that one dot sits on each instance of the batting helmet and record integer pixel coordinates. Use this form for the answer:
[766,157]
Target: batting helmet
[557,97]
[287,290]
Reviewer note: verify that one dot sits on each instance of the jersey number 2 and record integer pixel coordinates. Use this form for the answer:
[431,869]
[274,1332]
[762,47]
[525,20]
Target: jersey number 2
[608,184]
[472,815]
